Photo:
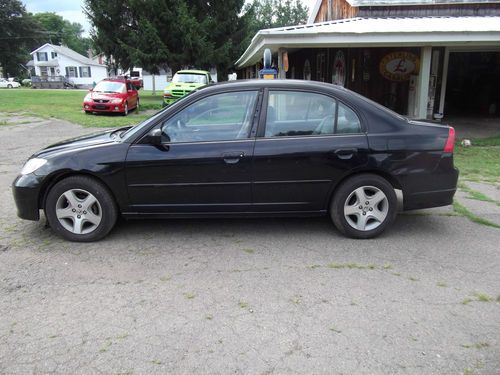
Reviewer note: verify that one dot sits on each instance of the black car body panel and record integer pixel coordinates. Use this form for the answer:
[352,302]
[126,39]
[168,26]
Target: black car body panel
[294,175]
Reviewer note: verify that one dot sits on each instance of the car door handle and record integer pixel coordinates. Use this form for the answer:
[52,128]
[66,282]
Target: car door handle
[232,157]
[345,153]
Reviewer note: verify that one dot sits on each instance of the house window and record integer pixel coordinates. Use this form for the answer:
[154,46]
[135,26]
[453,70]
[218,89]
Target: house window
[85,71]
[71,71]
[53,55]
[43,71]
[41,56]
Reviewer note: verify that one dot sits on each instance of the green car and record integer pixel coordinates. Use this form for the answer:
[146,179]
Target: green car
[183,83]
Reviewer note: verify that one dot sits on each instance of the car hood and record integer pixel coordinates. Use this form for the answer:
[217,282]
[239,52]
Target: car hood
[87,141]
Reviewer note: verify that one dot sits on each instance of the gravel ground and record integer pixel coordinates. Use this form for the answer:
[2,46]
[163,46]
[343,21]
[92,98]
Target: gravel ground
[277,296]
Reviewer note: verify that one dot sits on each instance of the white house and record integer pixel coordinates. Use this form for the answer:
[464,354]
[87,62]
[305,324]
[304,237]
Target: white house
[53,61]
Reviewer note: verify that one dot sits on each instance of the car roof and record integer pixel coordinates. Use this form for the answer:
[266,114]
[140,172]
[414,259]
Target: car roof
[283,83]
[193,71]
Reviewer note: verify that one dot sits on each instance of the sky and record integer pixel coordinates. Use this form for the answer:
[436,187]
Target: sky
[72,9]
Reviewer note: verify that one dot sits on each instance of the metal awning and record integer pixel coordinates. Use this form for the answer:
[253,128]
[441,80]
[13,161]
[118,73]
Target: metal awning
[456,32]
[50,63]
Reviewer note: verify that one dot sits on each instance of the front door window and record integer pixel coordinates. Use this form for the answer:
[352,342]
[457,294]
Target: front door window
[221,117]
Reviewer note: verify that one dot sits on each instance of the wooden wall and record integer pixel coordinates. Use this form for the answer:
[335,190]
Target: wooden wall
[453,10]
[339,9]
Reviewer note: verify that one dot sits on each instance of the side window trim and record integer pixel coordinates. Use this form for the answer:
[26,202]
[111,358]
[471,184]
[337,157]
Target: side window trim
[265,106]
[252,116]
[263,115]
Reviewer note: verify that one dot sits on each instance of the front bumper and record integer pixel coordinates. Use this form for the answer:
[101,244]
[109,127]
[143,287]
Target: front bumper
[26,191]
[169,99]
[105,107]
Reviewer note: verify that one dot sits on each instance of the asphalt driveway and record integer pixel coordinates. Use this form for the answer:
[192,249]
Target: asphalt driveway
[260,296]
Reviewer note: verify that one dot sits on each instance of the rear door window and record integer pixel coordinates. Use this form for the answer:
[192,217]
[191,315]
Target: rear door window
[297,113]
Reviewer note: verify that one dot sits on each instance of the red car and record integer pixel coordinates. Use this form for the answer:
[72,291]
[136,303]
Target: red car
[112,95]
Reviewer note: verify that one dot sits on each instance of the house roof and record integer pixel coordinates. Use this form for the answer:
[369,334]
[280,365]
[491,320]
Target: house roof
[377,32]
[68,52]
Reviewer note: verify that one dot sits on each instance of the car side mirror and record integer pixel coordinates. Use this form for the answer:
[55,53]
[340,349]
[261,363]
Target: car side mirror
[154,137]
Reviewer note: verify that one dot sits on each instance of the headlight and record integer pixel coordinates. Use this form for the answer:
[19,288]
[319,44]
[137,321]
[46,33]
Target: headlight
[32,165]
[118,100]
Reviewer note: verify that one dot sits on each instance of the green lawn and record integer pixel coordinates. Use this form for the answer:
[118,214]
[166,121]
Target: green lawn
[481,161]
[67,105]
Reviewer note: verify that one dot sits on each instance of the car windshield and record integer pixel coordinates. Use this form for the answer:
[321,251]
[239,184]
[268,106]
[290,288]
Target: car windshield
[189,78]
[109,86]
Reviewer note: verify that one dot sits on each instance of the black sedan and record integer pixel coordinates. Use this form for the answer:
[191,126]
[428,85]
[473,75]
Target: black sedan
[245,149]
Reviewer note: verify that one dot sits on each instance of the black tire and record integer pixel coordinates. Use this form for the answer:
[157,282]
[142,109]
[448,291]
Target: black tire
[9,86]
[125,109]
[107,212]
[347,189]
[137,106]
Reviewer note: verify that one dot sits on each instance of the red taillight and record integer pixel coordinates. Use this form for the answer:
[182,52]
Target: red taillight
[450,142]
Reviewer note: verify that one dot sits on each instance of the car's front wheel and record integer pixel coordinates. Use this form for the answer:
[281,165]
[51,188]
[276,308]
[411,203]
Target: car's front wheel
[125,109]
[363,206]
[81,209]
[9,86]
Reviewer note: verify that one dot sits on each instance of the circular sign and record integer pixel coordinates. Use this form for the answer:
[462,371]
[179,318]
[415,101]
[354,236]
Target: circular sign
[339,72]
[399,66]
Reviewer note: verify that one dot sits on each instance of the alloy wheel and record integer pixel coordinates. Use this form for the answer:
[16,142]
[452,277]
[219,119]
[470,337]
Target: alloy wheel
[78,211]
[366,208]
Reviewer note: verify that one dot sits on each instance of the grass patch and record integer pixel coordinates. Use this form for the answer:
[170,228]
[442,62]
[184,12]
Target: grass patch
[480,161]
[249,251]
[67,105]
[351,266]
[490,141]
[442,285]
[189,295]
[473,194]
[462,210]
[243,304]
[483,297]
[333,329]
[479,345]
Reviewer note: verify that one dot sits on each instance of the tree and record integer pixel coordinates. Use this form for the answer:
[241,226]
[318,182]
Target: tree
[19,34]
[179,33]
[61,31]
[275,13]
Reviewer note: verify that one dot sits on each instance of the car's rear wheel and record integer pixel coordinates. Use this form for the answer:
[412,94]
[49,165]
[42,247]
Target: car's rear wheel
[125,109]
[81,209]
[9,86]
[363,206]
[137,106]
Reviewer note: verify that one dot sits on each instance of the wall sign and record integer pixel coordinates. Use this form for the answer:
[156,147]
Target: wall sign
[339,73]
[399,66]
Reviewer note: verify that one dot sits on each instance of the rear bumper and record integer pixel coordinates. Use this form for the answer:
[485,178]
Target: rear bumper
[440,189]
[428,199]
[26,189]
